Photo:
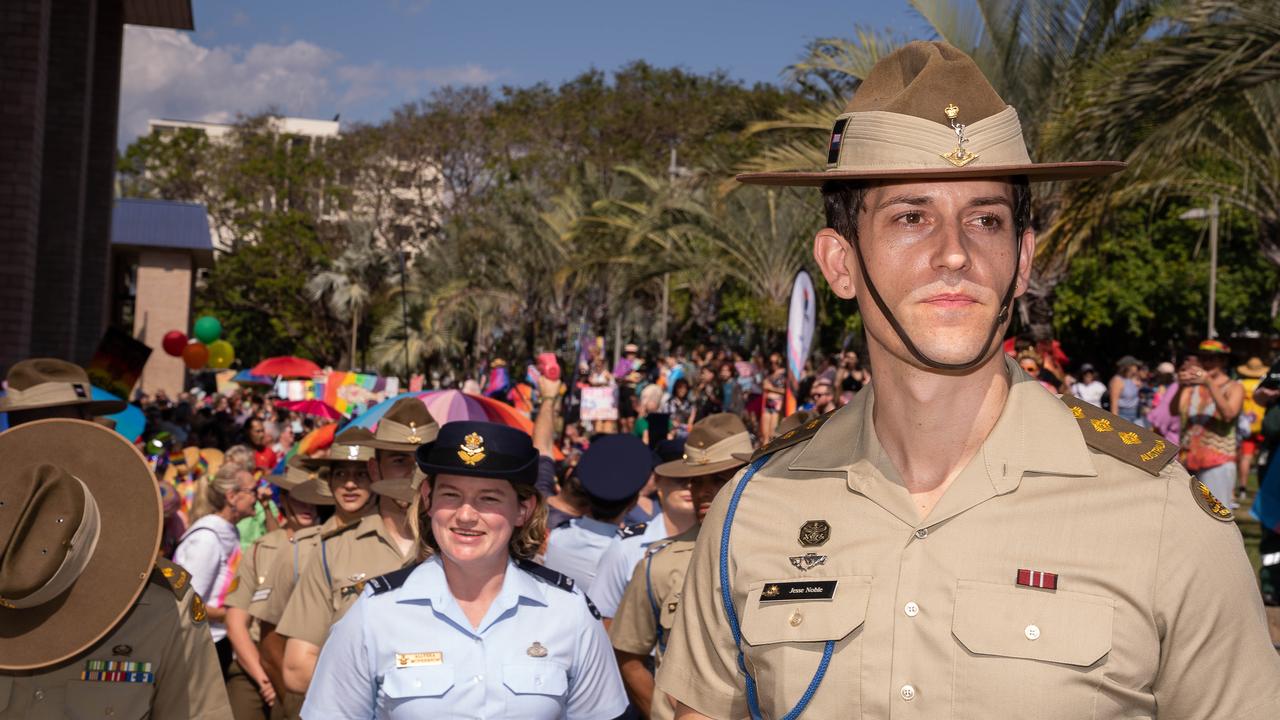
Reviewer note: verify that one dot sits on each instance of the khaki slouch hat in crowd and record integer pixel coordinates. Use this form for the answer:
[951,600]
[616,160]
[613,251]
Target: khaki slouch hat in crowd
[80,524]
[40,383]
[406,426]
[304,484]
[716,443]
[924,112]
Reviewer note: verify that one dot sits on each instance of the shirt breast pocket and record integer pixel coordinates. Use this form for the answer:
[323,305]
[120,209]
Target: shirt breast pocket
[119,700]
[783,641]
[535,688]
[1041,653]
[410,691]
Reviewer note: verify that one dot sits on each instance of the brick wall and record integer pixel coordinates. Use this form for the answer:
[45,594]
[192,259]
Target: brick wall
[69,77]
[95,261]
[24,35]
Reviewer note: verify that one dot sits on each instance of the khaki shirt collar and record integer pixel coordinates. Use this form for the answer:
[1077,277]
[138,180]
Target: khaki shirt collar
[1035,433]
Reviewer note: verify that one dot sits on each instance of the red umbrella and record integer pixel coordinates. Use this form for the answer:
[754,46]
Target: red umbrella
[286,366]
[317,408]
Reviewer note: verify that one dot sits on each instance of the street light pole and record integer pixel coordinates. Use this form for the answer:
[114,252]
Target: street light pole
[1212,214]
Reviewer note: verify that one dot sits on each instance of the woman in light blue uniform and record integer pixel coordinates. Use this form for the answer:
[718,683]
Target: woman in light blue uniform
[476,629]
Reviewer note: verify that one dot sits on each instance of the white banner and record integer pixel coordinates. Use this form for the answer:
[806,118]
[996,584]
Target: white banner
[598,404]
[801,321]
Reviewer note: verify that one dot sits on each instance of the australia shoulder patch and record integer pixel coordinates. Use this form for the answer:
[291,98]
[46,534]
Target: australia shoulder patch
[791,437]
[1212,506]
[1112,435]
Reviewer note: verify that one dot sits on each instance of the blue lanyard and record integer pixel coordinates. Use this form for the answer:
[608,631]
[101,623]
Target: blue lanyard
[726,597]
[653,601]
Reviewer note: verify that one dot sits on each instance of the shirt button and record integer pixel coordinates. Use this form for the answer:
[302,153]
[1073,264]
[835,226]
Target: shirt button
[922,533]
[908,693]
[477,678]
[1032,632]
[911,609]
[39,695]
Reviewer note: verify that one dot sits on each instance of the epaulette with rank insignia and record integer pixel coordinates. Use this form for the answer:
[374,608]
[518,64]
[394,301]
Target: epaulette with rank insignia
[792,437]
[632,530]
[330,534]
[391,580]
[171,575]
[1112,435]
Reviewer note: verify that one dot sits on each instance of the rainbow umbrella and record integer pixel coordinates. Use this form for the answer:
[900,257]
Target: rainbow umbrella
[315,441]
[448,406]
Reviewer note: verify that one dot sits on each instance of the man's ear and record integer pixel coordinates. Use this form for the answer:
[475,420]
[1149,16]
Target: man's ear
[835,258]
[375,472]
[1026,256]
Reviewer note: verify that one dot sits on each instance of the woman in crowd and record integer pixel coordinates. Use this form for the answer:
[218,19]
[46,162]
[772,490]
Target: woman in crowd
[775,397]
[210,549]
[1125,388]
[679,406]
[476,629]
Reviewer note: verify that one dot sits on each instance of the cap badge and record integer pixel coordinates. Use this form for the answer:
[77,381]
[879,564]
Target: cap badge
[413,434]
[536,650]
[471,451]
[814,532]
[958,157]
[353,452]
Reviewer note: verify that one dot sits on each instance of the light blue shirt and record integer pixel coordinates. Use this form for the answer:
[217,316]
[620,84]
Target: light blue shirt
[619,562]
[575,549]
[410,652]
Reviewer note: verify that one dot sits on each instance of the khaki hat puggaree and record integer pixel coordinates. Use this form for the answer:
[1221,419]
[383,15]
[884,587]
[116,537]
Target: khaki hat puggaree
[39,383]
[80,521]
[716,443]
[303,484]
[926,111]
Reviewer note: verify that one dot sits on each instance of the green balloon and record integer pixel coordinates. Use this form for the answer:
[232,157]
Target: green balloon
[208,329]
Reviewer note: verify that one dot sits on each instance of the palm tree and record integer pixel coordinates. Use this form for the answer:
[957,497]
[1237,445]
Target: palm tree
[348,286]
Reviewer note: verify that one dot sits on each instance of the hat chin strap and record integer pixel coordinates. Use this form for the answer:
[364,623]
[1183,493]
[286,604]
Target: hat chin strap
[987,350]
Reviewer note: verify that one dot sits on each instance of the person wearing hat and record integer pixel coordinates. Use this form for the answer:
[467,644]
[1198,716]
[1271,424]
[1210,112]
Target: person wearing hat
[1251,374]
[611,472]
[627,548]
[249,685]
[344,482]
[1125,389]
[1209,403]
[945,545]
[40,388]
[718,446]
[1088,388]
[91,624]
[475,628]
[347,557]
[721,441]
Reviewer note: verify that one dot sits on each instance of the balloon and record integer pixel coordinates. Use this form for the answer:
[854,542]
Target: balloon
[221,354]
[174,342]
[208,329]
[195,355]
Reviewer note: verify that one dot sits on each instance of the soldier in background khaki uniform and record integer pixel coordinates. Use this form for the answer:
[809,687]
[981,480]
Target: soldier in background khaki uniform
[93,628]
[957,542]
[343,480]
[349,556]
[642,623]
[253,695]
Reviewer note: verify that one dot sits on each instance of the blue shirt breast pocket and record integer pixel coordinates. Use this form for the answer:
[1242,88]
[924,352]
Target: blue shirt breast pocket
[409,690]
[535,682]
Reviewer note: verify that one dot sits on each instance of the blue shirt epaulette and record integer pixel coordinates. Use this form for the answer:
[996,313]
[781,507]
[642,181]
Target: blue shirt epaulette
[632,530]
[547,575]
[391,580]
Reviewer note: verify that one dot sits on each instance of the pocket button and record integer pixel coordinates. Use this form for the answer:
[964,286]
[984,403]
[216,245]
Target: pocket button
[1032,632]
[796,619]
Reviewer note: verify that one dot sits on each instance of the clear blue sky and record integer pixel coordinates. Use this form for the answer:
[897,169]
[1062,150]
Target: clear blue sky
[364,57]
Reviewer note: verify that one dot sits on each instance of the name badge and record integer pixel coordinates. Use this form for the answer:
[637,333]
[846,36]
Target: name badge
[423,658]
[803,590]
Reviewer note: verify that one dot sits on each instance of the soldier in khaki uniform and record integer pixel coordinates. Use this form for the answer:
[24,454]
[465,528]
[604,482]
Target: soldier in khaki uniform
[92,627]
[349,556]
[642,623]
[248,685]
[343,481]
[958,542]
